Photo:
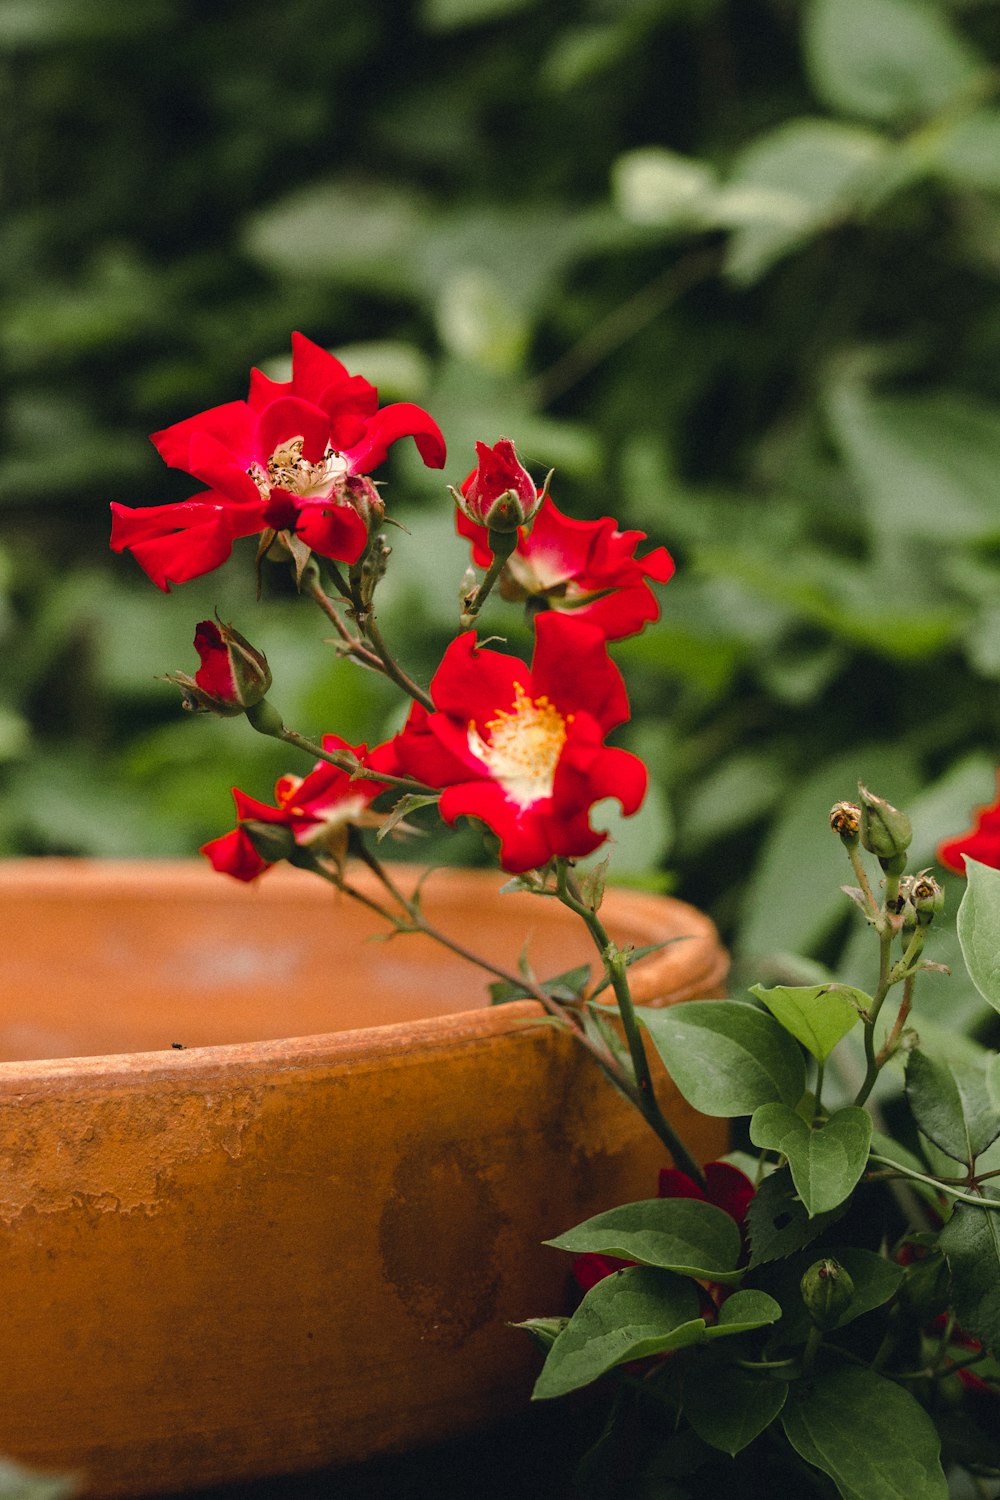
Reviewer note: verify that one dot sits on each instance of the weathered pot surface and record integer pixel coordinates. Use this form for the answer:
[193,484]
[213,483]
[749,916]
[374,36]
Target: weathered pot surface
[298,1238]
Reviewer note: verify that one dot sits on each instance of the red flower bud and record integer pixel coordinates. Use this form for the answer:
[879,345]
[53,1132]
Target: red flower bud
[500,494]
[233,675]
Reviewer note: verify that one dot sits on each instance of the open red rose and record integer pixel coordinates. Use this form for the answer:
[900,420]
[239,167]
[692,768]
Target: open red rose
[314,811]
[981,842]
[523,748]
[586,568]
[292,458]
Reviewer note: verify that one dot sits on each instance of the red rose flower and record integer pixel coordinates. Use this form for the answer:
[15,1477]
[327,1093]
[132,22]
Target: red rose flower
[291,458]
[523,748]
[725,1186]
[981,843]
[499,494]
[587,568]
[314,811]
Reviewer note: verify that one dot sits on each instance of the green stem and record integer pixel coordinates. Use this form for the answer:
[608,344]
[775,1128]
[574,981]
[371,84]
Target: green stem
[355,647]
[885,936]
[940,1185]
[390,666]
[617,972]
[892,1040]
[344,760]
[419,923]
[502,544]
[382,660]
[813,1342]
[861,875]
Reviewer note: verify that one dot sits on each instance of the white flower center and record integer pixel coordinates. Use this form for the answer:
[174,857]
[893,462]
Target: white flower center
[288,470]
[523,747]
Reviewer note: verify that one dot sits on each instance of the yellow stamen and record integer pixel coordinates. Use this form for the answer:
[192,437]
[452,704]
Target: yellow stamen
[523,746]
[288,470]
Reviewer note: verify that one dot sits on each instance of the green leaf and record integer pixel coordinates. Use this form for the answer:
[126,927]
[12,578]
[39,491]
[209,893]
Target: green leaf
[927,463]
[744,1311]
[790,185]
[971,1243]
[725,1057]
[876,1280]
[979,929]
[966,150]
[632,1314]
[817,1015]
[543,1331]
[777,1221]
[873,1439]
[449,15]
[406,804]
[885,59]
[826,1161]
[652,185]
[727,1406]
[568,987]
[956,1104]
[677,1234]
[632,956]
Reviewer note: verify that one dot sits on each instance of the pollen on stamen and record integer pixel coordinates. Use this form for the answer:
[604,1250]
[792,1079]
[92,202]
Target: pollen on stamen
[288,470]
[523,746]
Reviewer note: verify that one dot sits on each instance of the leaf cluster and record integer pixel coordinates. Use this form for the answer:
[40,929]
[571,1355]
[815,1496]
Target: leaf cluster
[855,1316]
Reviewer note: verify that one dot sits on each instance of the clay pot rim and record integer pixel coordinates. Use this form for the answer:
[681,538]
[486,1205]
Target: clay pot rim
[695,966]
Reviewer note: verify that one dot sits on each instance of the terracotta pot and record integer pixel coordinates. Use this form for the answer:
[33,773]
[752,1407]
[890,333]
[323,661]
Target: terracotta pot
[256,1255]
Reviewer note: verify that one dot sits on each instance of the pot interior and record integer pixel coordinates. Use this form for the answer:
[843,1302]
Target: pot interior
[110,958]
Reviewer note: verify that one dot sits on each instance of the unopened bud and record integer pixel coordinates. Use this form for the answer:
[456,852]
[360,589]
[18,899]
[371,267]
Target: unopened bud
[927,897]
[827,1291]
[365,498]
[233,677]
[499,493]
[845,820]
[885,831]
[272,841]
[372,568]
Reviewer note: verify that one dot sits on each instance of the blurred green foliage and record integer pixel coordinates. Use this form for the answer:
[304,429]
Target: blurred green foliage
[732,267]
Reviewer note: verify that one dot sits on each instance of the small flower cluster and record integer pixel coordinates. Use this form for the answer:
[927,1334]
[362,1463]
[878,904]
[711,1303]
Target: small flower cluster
[520,747]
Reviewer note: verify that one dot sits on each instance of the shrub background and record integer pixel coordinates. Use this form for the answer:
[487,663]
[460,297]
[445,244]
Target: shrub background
[730,266]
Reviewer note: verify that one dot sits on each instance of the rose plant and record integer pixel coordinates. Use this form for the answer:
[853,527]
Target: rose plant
[821,1310]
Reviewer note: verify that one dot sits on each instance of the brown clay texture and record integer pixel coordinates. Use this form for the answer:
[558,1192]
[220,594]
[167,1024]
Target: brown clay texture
[298,1239]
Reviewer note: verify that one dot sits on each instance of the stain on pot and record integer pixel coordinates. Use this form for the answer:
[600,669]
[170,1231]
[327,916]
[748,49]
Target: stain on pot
[425,1250]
